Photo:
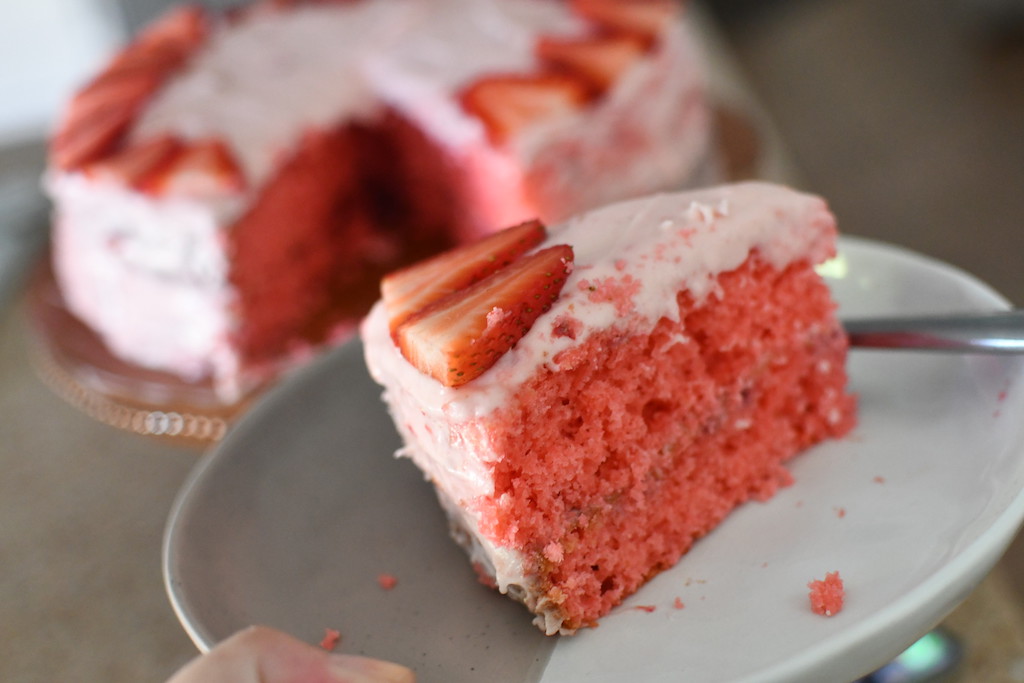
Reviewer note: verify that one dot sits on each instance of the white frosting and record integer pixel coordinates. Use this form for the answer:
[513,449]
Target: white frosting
[161,262]
[653,247]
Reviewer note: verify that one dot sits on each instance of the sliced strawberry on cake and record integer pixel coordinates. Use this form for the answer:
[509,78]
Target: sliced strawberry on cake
[103,111]
[181,29]
[203,169]
[507,104]
[135,165]
[643,18]
[459,337]
[123,90]
[690,354]
[409,290]
[600,60]
[100,114]
[89,138]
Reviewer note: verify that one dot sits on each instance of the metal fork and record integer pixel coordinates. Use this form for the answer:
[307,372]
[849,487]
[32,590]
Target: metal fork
[994,332]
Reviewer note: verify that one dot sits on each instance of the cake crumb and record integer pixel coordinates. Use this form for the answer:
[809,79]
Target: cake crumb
[827,595]
[387,581]
[879,480]
[553,552]
[678,603]
[566,326]
[331,639]
[617,291]
[645,608]
[840,512]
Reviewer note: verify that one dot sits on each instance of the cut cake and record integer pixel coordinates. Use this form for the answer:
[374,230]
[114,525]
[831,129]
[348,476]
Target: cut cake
[647,367]
[226,185]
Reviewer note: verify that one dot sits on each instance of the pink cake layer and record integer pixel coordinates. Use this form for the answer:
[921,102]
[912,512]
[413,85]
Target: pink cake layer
[608,470]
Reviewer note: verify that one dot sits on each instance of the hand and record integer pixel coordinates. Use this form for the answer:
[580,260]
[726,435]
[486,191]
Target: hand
[263,655]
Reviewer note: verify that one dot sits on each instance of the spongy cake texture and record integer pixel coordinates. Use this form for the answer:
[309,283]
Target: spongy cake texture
[624,442]
[606,471]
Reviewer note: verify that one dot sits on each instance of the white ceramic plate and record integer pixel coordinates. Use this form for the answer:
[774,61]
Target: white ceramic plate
[291,519]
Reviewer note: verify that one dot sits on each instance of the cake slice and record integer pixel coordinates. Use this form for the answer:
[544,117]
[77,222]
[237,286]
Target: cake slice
[230,187]
[689,352]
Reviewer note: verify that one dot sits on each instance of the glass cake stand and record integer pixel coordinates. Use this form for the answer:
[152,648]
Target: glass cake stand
[75,363]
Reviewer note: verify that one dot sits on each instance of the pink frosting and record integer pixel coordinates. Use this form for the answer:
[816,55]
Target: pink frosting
[630,260]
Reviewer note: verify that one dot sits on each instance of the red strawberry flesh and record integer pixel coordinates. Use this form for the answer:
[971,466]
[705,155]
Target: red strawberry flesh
[408,290]
[183,27]
[102,112]
[203,169]
[508,104]
[91,137]
[600,60]
[643,18]
[458,338]
[136,164]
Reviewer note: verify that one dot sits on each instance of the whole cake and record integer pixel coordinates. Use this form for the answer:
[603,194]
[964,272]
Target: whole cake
[225,186]
[591,401]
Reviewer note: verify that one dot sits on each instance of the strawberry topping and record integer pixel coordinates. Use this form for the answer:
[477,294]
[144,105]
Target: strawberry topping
[643,18]
[409,290]
[180,29]
[89,138]
[123,90]
[600,60]
[136,164]
[203,169]
[459,337]
[509,103]
[101,113]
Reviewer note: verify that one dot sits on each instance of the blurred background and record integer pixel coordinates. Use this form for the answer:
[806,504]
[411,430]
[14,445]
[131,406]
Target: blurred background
[907,116]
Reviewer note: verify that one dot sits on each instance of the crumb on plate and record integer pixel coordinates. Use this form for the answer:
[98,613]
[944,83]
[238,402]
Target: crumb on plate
[827,595]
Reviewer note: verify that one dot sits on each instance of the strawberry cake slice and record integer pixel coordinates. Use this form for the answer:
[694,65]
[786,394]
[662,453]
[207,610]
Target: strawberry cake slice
[231,186]
[590,401]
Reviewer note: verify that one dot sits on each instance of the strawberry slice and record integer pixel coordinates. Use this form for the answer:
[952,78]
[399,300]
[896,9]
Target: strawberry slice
[89,137]
[508,103]
[408,290]
[182,28]
[204,169]
[136,164]
[166,44]
[643,18]
[126,91]
[459,337]
[100,114]
[599,60]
